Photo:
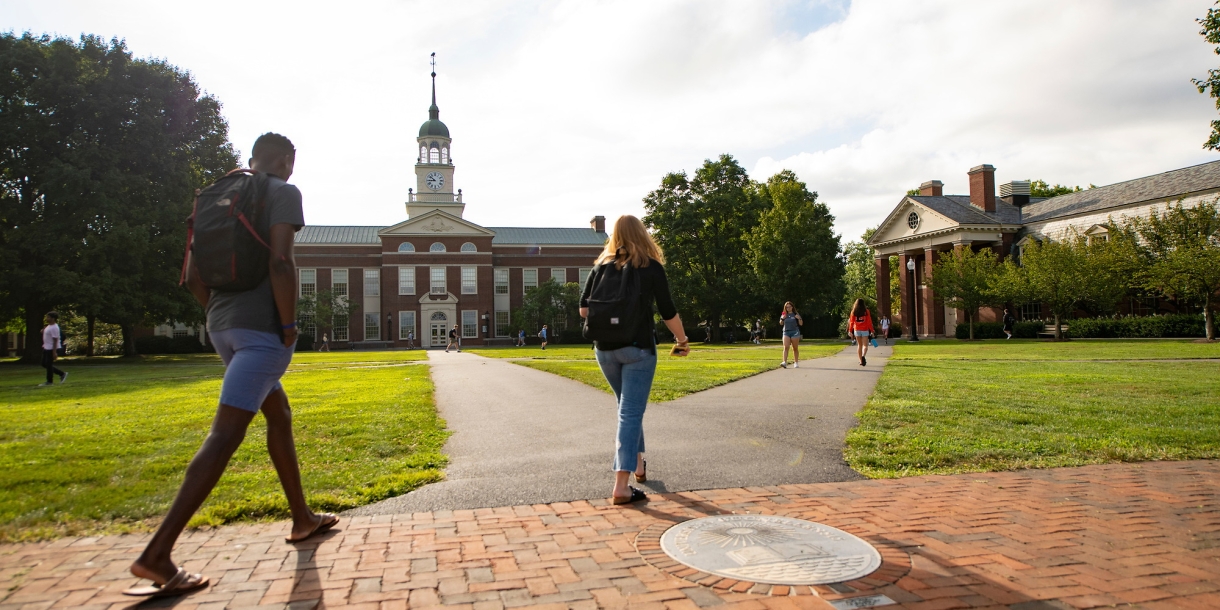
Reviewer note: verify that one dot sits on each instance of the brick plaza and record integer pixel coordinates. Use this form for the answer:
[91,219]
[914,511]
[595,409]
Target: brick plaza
[1141,534]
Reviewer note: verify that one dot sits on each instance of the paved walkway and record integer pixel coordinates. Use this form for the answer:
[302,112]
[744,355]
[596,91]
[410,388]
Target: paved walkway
[522,436]
[1143,534]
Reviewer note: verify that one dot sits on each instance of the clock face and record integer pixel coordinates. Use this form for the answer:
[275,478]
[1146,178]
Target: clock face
[435,180]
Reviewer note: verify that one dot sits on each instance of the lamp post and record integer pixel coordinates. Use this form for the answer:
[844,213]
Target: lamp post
[914,305]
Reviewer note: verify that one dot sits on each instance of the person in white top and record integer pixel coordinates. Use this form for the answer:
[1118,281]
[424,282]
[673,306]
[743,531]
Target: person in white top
[885,329]
[51,341]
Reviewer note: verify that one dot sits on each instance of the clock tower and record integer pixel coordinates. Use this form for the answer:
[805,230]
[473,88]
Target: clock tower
[434,168]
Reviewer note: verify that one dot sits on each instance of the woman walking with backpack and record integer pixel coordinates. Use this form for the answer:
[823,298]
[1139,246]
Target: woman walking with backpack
[617,305]
[860,327]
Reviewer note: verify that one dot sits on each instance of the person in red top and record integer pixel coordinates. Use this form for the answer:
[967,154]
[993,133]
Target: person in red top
[860,327]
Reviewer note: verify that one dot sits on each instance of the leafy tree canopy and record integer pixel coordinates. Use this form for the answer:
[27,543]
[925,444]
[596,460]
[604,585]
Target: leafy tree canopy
[102,153]
[1039,188]
[1182,245]
[1211,84]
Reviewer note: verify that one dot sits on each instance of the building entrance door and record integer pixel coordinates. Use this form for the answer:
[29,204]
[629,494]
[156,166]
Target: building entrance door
[439,336]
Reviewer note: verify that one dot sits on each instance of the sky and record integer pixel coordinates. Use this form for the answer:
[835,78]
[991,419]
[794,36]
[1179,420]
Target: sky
[565,109]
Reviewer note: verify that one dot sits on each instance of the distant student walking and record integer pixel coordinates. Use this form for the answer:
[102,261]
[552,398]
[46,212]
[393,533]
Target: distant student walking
[325,343]
[860,327]
[885,329]
[52,340]
[521,338]
[542,335]
[1009,321]
[792,322]
[454,340]
[628,356]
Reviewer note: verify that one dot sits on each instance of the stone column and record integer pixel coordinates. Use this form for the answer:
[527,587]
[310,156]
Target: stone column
[882,266]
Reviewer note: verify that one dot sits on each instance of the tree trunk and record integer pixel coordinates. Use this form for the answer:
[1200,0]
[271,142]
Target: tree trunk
[1209,319]
[33,334]
[129,341]
[1058,329]
[89,344]
[970,321]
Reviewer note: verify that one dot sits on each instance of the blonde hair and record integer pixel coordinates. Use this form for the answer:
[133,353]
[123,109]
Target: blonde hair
[633,240]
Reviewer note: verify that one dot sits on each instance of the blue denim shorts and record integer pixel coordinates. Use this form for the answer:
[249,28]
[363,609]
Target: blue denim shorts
[793,335]
[865,333]
[254,362]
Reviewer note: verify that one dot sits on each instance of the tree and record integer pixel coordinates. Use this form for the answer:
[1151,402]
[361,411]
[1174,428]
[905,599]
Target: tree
[701,224]
[1183,244]
[963,279]
[101,155]
[860,275]
[550,303]
[794,252]
[1211,84]
[322,309]
[1039,188]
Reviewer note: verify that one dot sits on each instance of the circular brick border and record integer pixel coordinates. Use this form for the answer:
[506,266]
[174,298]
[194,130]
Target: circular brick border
[895,563]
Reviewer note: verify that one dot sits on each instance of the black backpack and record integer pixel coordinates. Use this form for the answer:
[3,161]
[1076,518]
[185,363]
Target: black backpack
[614,304]
[228,231]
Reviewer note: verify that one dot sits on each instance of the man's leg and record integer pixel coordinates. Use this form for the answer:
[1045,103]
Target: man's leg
[48,359]
[228,430]
[283,450]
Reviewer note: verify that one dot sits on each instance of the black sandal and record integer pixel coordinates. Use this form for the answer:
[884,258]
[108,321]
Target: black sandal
[636,496]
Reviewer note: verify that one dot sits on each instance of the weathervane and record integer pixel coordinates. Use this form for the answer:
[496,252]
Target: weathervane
[433,62]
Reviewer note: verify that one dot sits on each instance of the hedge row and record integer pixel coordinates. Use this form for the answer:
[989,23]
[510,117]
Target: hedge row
[169,345]
[1177,325]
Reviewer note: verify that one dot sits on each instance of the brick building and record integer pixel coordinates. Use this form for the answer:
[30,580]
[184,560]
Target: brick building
[923,226]
[436,269]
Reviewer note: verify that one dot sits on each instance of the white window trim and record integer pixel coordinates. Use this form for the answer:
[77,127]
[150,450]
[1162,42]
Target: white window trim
[403,326]
[432,287]
[301,273]
[364,276]
[507,324]
[475,334]
[496,273]
[565,274]
[403,288]
[376,316]
[526,286]
[474,285]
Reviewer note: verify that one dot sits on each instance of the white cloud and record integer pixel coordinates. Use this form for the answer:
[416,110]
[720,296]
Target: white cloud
[568,108]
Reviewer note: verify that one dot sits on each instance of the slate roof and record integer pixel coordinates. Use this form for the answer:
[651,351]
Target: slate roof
[324,234]
[1159,186]
[508,236]
[959,209]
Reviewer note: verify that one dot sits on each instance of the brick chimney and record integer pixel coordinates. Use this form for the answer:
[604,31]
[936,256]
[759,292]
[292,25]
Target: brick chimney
[598,224]
[932,188]
[982,187]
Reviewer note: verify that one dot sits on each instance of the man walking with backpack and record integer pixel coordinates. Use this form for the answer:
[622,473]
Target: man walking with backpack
[249,294]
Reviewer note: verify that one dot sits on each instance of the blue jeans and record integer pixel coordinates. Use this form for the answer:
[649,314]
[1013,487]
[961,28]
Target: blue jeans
[630,371]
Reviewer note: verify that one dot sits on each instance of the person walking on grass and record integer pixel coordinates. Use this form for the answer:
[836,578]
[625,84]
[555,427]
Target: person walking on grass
[885,329]
[254,332]
[410,339]
[627,355]
[454,341]
[542,335]
[860,327]
[1009,321]
[52,340]
[521,338]
[792,322]
[325,343]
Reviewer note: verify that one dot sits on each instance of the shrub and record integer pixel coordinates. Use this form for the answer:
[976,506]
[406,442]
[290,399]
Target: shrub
[169,345]
[995,330]
[304,343]
[1175,325]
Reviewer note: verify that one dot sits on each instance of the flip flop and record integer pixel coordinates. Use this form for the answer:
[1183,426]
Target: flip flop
[328,521]
[636,496]
[182,582]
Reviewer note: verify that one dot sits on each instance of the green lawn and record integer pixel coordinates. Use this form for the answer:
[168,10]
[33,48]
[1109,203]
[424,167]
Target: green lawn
[707,366]
[951,406]
[106,451]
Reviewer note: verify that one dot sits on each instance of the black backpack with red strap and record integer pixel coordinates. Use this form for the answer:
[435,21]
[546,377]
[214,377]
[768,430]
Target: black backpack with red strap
[227,235]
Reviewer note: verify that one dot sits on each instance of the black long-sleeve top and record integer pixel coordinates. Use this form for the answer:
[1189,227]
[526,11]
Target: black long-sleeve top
[654,287]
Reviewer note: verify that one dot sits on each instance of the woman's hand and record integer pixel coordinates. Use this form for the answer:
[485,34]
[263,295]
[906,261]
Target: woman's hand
[681,348]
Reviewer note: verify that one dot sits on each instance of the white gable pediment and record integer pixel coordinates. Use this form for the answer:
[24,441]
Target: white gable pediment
[898,226]
[436,223]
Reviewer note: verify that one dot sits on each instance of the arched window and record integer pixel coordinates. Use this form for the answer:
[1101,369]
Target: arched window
[423,153]
[434,154]
[406,246]
[437,247]
[444,155]
[438,316]
[469,247]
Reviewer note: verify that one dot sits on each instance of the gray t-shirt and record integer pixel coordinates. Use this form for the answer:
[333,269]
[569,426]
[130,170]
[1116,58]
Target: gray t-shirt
[255,309]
